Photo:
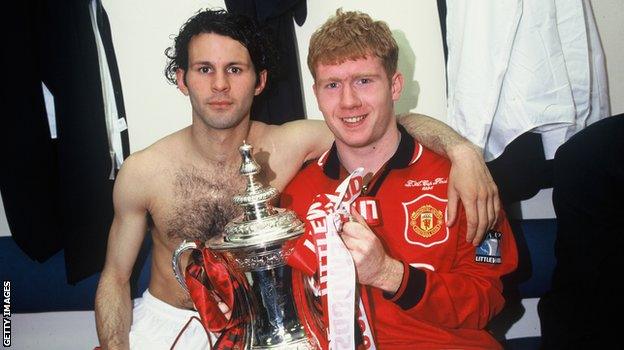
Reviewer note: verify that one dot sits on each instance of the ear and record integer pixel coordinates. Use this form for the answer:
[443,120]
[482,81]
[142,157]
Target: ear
[180,78]
[396,85]
[262,78]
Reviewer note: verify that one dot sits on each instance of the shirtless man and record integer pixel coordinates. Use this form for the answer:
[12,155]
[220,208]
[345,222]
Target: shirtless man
[184,182]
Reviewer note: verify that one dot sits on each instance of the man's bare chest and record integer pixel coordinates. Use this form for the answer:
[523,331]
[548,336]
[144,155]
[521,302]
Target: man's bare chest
[196,204]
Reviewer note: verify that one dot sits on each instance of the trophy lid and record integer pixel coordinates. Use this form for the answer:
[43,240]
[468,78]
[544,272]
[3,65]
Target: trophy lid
[261,224]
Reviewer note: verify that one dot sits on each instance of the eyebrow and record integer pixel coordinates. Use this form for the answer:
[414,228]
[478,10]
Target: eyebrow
[208,63]
[354,77]
[367,75]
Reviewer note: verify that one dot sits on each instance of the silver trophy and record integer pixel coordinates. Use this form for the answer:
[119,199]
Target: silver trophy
[254,245]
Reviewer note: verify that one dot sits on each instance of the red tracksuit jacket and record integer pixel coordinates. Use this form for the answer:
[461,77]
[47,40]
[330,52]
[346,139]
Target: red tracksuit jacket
[450,289]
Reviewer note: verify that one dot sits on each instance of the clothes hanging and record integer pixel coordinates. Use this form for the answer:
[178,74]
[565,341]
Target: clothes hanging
[282,100]
[57,193]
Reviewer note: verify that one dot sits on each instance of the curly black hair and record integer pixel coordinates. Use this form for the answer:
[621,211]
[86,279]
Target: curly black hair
[238,27]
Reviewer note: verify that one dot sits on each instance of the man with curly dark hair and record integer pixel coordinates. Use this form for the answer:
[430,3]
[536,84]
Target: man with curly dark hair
[181,186]
[240,28]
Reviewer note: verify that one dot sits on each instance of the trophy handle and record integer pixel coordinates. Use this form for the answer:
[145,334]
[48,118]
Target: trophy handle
[179,275]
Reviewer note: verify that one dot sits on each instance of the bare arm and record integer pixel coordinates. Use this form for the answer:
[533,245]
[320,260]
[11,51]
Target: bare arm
[290,145]
[113,309]
[311,137]
[469,180]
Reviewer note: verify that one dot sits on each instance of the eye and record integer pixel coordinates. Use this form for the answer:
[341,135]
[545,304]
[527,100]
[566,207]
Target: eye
[204,69]
[364,81]
[234,70]
[331,85]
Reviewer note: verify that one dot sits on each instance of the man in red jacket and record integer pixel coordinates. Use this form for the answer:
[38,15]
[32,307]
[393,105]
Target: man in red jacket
[428,288]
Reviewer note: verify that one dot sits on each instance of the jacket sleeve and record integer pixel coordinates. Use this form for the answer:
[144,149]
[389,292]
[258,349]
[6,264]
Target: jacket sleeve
[480,35]
[469,295]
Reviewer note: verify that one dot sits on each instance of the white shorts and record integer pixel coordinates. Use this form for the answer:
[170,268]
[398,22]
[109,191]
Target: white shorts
[156,325]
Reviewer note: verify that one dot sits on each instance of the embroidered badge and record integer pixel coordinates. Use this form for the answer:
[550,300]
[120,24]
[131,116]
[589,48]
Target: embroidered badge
[426,221]
[489,250]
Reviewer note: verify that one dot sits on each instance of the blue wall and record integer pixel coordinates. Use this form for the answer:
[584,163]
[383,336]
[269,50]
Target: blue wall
[42,287]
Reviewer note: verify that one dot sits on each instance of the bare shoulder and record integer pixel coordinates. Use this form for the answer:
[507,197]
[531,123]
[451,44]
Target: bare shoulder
[283,149]
[168,146]
[164,151]
[305,139]
[143,170]
[299,128]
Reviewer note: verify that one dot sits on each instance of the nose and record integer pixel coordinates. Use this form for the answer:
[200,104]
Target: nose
[220,83]
[349,98]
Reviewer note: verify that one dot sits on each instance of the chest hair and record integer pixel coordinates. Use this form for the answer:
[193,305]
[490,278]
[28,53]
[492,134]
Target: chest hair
[203,203]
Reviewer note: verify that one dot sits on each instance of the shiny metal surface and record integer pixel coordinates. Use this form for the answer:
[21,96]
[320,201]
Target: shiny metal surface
[176,261]
[277,324]
[253,244]
[261,223]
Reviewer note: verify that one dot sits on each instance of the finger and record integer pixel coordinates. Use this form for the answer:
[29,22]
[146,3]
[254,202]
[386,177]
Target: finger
[482,221]
[357,237]
[472,220]
[359,218]
[223,307]
[354,229]
[225,310]
[451,207]
[497,206]
[216,296]
[359,254]
[352,243]
[491,213]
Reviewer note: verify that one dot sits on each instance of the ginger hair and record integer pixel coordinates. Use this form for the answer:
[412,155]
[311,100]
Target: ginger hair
[349,36]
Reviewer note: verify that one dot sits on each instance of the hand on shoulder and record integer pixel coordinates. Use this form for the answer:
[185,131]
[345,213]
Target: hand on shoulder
[471,182]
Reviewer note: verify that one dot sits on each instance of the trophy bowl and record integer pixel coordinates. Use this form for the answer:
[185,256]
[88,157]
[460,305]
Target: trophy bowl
[255,245]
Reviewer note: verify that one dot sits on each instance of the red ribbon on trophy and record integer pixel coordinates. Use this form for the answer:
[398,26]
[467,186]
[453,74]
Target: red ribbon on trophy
[210,281]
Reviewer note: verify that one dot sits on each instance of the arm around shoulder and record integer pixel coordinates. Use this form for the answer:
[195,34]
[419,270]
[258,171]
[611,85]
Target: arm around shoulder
[469,181]
[432,133]
[309,137]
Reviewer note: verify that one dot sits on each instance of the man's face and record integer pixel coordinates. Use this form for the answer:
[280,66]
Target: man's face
[356,98]
[220,80]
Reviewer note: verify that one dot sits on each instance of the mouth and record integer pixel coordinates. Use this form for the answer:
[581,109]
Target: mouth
[220,104]
[354,120]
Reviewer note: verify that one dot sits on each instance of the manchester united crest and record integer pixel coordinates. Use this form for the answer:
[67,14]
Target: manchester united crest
[424,220]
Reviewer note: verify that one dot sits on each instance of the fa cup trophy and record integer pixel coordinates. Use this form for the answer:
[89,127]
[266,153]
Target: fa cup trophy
[254,248]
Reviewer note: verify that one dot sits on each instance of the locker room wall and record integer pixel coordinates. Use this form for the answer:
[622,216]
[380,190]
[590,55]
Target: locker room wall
[142,30]
[414,24]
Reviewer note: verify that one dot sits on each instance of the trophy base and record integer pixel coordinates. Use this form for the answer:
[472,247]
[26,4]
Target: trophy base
[302,344]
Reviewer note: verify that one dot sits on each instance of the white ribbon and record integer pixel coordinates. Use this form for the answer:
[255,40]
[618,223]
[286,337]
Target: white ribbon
[341,276]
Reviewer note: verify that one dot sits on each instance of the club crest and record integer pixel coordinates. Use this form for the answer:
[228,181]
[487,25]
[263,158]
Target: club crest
[424,220]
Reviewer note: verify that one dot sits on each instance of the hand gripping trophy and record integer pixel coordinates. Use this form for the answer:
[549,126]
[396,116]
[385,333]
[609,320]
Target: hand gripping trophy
[246,270]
